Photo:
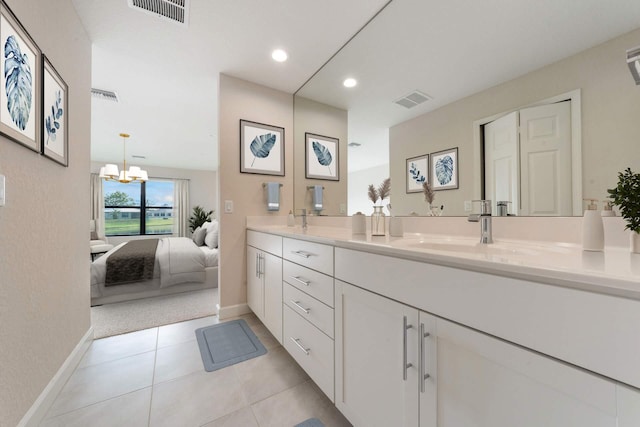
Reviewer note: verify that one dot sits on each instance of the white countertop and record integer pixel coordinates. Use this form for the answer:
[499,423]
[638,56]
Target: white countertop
[615,271]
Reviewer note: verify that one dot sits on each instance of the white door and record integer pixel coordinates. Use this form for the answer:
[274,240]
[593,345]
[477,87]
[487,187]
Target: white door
[501,161]
[272,272]
[545,160]
[374,386]
[255,288]
[486,382]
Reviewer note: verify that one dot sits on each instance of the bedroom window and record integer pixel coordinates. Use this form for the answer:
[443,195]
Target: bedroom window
[138,208]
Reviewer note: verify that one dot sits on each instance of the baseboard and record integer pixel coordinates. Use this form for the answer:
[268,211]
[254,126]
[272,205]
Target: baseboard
[38,410]
[233,311]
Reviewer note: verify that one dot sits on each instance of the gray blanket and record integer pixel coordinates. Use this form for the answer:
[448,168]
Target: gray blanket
[133,262]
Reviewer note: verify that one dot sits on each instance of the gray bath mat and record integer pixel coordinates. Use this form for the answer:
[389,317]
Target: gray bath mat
[311,422]
[227,343]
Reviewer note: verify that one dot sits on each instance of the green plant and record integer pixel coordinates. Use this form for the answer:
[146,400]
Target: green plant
[627,197]
[198,217]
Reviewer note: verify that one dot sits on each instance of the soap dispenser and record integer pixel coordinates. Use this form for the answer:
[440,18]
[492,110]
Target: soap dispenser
[607,209]
[592,228]
[291,219]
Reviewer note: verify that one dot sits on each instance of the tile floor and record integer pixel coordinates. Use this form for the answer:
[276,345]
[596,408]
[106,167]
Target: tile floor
[155,377]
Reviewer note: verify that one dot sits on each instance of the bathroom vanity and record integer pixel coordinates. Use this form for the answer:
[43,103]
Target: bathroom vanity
[434,331]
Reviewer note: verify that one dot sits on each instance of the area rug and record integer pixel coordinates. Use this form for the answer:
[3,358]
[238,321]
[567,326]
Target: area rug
[227,343]
[129,316]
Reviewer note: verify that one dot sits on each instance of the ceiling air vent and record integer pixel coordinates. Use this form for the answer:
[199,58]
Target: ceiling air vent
[413,99]
[172,10]
[104,95]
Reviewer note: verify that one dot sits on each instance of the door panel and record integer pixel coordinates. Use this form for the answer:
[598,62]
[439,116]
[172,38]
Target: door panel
[502,161]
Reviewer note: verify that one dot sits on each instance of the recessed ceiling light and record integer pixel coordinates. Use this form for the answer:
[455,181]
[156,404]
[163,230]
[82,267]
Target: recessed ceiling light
[350,82]
[279,55]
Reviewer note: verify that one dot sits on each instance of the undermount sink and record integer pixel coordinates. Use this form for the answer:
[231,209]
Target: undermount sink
[467,246]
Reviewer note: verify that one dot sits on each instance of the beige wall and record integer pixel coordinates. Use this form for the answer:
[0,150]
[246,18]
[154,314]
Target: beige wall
[358,185]
[240,99]
[321,119]
[610,124]
[44,259]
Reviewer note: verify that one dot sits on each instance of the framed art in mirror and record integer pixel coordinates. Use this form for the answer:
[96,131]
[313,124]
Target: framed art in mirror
[417,173]
[443,169]
[55,114]
[261,148]
[321,157]
[20,82]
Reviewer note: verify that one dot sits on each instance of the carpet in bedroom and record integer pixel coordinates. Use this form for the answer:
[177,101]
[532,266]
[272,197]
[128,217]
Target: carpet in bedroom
[129,316]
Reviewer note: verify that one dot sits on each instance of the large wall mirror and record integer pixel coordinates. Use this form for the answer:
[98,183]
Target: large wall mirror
[501,82]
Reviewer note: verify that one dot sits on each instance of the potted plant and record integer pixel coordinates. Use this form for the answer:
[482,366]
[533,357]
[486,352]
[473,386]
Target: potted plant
[377,218]
[627,197]
[198,217]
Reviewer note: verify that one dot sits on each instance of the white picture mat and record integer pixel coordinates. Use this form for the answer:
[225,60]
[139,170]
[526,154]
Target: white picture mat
[435,157]
[7,30]
[51,86]
[314,168]
[422,164]
[270,163]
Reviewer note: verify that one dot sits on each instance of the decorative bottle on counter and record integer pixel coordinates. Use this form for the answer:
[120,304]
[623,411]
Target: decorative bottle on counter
[378,222]
[592,228]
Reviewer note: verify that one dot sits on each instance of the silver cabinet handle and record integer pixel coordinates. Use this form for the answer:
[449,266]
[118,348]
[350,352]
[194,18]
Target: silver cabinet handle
[297,304]
[423,355]
[257,265]
[303,254]
[261,265]
[405,365]
[300,346]
[304,282]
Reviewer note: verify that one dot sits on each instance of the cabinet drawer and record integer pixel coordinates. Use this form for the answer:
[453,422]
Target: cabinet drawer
[312,349]
[267,242]
[309,308]
[318,285]
[313,255]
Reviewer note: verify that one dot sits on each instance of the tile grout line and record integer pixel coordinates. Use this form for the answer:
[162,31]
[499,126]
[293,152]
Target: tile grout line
[153,375]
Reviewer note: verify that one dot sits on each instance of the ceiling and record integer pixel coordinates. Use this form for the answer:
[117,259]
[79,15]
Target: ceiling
[166,75]
[450,50]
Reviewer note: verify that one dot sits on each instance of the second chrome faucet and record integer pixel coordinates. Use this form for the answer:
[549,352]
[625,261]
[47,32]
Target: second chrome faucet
[484,218]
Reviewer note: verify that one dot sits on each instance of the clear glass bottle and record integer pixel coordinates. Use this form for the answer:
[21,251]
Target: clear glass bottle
[378,222]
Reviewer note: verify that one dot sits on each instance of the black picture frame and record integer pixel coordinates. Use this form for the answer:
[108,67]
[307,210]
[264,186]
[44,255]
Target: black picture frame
[448,168]
[321,153]
[55,115]
[264,144]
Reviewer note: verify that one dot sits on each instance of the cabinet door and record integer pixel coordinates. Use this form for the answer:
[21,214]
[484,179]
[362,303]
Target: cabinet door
[487,382]
[428,370]
[271,269]
[376,359]
[255,289]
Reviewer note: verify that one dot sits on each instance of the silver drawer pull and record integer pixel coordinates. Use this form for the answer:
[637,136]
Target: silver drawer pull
[303,254]
[298,279]
[300,346]
[297,304]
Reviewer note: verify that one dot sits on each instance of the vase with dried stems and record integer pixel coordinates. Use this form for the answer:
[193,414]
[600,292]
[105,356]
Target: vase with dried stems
[378,221]
[429,195]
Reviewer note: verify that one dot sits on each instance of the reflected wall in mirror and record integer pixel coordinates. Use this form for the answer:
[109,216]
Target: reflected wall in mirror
[516,64]
[312,117]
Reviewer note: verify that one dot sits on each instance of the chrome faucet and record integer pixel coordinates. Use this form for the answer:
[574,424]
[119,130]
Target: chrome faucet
[303,214]
[484,218]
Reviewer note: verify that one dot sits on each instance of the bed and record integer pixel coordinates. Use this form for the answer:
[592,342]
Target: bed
[179,265]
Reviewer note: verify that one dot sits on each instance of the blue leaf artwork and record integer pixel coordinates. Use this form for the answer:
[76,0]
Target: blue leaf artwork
[323,155]
[415,173]
[444,170]
[52,122]
[18,83]
[261,146]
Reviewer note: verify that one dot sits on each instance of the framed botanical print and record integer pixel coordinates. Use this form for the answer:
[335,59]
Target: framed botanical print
[261,148]
[20,82]
[417,173]
[55,111]
[321,157]
[444,169]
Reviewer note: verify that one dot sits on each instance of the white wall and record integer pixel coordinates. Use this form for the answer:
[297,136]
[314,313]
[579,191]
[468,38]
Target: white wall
[358,185]
[44,256]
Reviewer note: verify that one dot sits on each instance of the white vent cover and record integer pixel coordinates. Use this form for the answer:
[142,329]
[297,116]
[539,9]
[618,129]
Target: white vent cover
[105,95]
[414,98]
[172,10]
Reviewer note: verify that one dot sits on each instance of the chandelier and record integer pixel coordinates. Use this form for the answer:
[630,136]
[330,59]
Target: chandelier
[110,171]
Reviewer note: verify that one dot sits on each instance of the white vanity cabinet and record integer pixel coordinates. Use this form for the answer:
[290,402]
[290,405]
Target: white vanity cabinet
[264,279]
[397,365]
[308,309]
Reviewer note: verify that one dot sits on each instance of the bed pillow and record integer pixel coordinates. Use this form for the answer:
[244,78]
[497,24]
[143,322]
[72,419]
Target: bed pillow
[199,235]
[211,239]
